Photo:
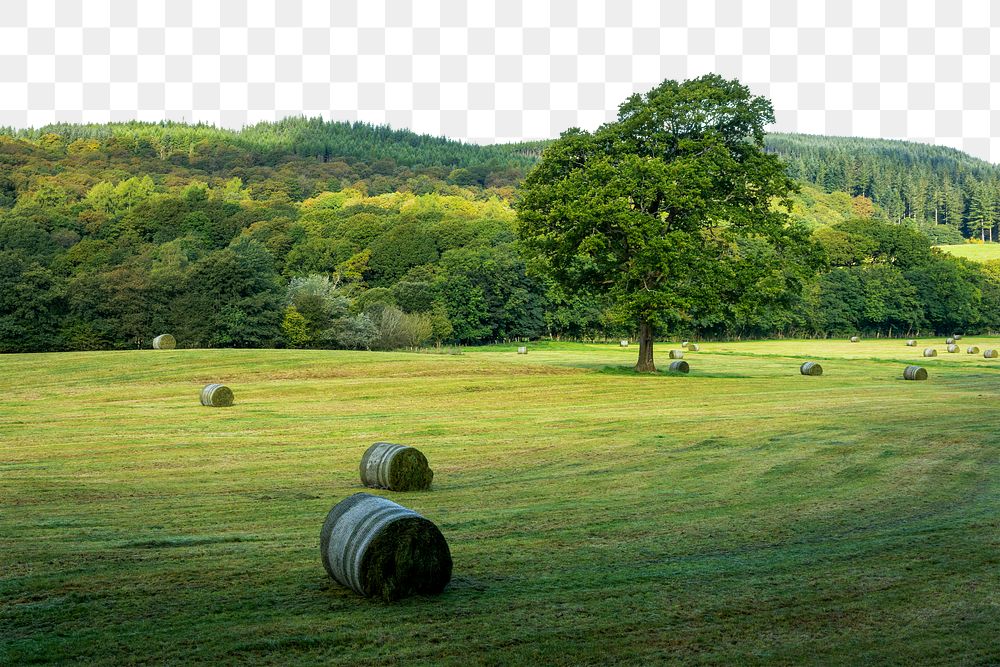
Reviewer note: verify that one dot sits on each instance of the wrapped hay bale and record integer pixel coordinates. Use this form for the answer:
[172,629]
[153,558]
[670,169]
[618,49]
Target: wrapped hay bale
[930,352]
[676,354]
[395,467]
[972,349]
[855,339]
[693,347]
[522,350]
[164,342]
[952,348]
[957,336]
[216,396]
[679,367]
[685,343]
[949,341]
[811,368]
[623,343]
[911,343]
[991,354]
[380,549]
[914,373]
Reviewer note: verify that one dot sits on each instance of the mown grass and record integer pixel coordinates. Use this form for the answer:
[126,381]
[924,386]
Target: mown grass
[979,252]
[742,514]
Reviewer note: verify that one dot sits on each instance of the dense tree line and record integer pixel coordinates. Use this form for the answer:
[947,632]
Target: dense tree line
[944,192]
[105,246]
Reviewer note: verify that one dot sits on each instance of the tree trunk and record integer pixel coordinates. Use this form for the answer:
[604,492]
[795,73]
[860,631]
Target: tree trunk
[645,363]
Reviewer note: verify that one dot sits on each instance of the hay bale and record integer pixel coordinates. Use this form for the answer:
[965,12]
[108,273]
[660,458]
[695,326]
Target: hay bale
[679,367]
[957,336]
[952,348]
[164,342]
[395,467]
[991,354]
[855,339]
[216,396]
[685,343]
[911,343]
[949,341]
[381,549]
[914,373]
[623,343]
[676,354]
[972,349]
[522,350]
[930,352]
[693,347]
[811,368]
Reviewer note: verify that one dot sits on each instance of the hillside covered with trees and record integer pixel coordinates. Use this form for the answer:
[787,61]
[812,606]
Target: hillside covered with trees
[305,233]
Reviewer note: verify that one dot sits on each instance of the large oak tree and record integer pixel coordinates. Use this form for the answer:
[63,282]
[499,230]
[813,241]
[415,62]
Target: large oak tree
[664,211]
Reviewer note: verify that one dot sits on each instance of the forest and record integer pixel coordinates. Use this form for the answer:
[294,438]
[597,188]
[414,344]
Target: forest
[306,233]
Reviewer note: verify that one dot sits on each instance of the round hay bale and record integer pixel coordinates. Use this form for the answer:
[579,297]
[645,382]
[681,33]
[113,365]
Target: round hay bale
[395,467]
[685,343]
[164,342]
[676,354]
[911,343]
[693,347]
[930,352]
[957,336]
[949,341]
[679,367]
[216,396]
[522,350]
[952,348]
[914,373]
[623,343]
[811,368]
[855,339]
[381,549]
[991,354]
[972,349]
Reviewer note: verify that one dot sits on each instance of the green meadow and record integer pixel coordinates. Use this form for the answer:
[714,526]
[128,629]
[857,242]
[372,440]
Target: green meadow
[978,252]
[741,514]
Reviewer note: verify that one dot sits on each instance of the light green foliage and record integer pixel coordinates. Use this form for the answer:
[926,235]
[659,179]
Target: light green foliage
[296,328]
[752,514]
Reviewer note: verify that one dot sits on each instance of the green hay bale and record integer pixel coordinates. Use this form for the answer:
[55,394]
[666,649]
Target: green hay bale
[216,396]
[991,354]
[952,348]
[381,549]
[949,341]
[385,465]
[676,354]
[164,342]
[930,352]
[972,349]
[693,347]
[855,339]
[679,367]
[811,368]
[914,373]
[522,350]
[911,343]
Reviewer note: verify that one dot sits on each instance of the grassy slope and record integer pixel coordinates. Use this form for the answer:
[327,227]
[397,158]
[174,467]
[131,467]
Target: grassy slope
[979,252]
[742,513]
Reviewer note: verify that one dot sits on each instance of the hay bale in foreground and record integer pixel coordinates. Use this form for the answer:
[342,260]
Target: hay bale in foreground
[914,373]
[164,342]
[949,341]
[811,368]
[693,347]
[623,343]
[972,349]
[395,467]
[930,352]
[911,343]
[216,396]
[991,354]
[679,367]
[676,354]
[952,348]
[381,549]
[855,339]
[522,350]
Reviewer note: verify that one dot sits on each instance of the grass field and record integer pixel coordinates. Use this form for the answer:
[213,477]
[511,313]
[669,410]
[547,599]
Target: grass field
[979,252]
[743,514]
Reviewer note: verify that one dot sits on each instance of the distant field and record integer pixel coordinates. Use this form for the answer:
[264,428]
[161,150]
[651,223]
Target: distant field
[742,514]
[980,252]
